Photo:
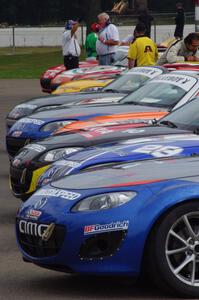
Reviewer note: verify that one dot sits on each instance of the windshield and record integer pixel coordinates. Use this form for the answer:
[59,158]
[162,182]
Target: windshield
[185,117]
[126,83]
[156,94]
[120,57]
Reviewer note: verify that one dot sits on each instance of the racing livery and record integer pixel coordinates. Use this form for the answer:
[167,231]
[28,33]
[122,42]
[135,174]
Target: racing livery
[34,158]
[83,85]
[119,220]
[96,72]
[124,84]
[163,93]
[129,150]
[48,75]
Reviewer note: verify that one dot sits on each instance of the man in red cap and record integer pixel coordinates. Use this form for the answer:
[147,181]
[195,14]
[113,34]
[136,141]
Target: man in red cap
[91,40]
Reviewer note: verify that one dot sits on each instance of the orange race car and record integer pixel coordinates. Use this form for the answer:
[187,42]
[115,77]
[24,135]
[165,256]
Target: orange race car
[139,117]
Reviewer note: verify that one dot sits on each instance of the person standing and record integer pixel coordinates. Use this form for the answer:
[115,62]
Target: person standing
[142,51]
[70,46]
[146,18]
[182,50]
[90,44]
[179,21]
[108,40]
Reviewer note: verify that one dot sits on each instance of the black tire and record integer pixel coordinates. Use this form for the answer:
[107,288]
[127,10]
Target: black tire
[166,268]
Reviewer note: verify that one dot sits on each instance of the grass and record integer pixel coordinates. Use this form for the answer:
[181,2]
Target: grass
[28,62]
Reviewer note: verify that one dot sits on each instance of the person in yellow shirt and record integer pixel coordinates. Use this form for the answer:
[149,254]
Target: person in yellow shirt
[142,51]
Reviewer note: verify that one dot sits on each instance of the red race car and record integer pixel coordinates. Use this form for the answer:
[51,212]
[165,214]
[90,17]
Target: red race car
[49,80]
[52,72]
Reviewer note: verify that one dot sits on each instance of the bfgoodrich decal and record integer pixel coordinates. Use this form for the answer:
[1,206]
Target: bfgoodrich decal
[113,226]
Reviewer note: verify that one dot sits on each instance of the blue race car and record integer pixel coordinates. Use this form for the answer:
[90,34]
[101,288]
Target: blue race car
[129,150]
[121,220]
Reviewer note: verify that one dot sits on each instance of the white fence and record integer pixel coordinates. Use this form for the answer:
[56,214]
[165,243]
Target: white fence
[51,36]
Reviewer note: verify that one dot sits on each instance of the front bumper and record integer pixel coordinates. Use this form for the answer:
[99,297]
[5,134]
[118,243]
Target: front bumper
[45,84]
[14,144]
[23,181]
[69,251]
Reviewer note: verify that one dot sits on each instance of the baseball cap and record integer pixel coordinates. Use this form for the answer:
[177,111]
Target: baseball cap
[69,24]
[95,27]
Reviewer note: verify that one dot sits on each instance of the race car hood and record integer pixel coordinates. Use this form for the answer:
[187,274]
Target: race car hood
[96,137]
[131,174]
[80,73]
[31,127]
[129,150]
[142,148]
[28,107]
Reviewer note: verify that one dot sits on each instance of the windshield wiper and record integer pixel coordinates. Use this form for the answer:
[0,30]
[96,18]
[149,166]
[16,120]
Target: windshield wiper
[168,123]
[129,102]
[110,90]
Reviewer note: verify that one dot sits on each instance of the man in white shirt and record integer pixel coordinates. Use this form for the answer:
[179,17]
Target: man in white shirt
[70,46]
[108,40]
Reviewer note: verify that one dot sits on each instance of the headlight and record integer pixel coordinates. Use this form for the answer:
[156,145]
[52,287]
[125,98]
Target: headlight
[56,154]
[55,125]
[103,201]
[22,110]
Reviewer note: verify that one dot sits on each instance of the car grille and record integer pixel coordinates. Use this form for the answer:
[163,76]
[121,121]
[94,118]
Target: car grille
[102,245]
[36,247]
[9,123]
[45,83]
[20,179]
[15,144]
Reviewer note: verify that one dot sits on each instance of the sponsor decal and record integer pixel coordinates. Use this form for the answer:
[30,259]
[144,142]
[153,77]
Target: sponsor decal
[181,81]
[113,226]
[101,100]
[67,163]
[40,203]
[33,214]
[31,121]
[35,147]
[133,130]
[17,133]
[32,228]
[151,72]
[58,193]
[159,150]
[30,106]
[39,230]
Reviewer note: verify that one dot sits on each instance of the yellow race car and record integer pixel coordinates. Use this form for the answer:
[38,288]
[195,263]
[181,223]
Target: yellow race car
[84,85]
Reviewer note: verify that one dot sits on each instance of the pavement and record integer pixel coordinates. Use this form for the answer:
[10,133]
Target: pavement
[22,281]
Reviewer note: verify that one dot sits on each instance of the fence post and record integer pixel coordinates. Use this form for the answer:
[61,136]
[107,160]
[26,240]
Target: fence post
[154,24]
[13,39]
[82,35]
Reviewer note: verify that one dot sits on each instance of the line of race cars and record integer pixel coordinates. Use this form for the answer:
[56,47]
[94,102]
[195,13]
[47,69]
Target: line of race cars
[109,179]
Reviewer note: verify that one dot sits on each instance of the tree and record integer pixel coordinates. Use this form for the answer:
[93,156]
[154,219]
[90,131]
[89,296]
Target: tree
[90,10]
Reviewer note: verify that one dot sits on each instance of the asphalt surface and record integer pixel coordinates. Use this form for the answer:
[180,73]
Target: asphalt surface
[20,280]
